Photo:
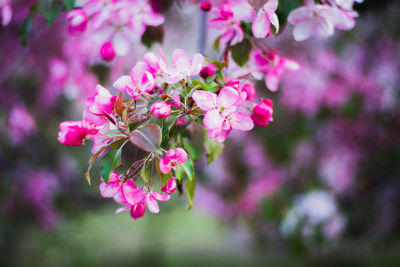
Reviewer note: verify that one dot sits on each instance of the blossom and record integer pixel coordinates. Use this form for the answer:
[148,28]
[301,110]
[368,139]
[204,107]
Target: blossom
[6,12]
[208,71]
[266,15]
[205,6]
[102,102]
[172,159]
[169,187]
[182,66]
[262,113]
[227,22]
[272,65]
[107,51]
[150,198]
[20,123]
[319,20]
[221,115]
[139,82]
[77,19]
[111,188]
[137,211]
[160,110]
[249,89]
[72,133]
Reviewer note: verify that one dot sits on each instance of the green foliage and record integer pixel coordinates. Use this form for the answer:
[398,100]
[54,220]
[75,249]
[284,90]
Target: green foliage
[190,189]
[213,148]
[241,52]
[147,137]
[69,4]
[193,151]
[24,29]
[50,10]
[109,163]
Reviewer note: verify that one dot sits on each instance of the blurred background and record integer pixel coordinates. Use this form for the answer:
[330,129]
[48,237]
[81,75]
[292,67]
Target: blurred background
[320,186]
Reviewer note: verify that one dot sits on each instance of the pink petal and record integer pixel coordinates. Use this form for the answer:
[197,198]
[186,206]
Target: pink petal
[138,210]
[135,196]
[228,96]
[153,19]
[181,61]
[241,121]
[6,14]
[261,25]
[109,190]
[160,196]
[275,21]
[123,82]
[272,81]
[120,198]
[290,64]
[300,14]
[303,31]
[212,120]
[151,204]
[121,44]
[164,165]
[205,100]
[124,208]
[197,64]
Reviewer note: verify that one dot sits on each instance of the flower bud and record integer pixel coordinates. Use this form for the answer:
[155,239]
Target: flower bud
[169,187]
[250,90]
[138,210]
[208,71]
[206,6]
[160,110]
[262,113]
[77,20]
[107,51]
[72,133]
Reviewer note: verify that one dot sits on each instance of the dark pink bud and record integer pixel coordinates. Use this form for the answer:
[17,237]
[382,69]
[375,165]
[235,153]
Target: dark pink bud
[138,210]
[250,90]
[107,51]
[169,187]
[262,113]
[160,110]
[77,20]
[234,83]
[205,6]
[208,71]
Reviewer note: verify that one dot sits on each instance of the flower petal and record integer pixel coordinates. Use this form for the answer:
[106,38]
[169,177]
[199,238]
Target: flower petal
[228,96]
[197,64]
[151,204]
[135,196]
[212,120]
[241,121]
[205,100]
[160,196]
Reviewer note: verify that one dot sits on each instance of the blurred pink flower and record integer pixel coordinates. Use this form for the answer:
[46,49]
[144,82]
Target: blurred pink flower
[6,12]
[172,159]
[266,16]
[262,113]
[20,123]
[169,187]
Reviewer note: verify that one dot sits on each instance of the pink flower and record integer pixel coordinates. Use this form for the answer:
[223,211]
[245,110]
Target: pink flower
[273,66]
[169,187]
[139,82]
[265,17]
[249,89]
[72,133]
[319,20]
[208,71]
[6,12]
[138,210]
[227,22]
[111,188]
[172,159]
[20,123]
[160,110]
[182,66]
[221,115]
[77,19]
[107,51]
[205,6]
[138,196]
[102,102]
[262,113]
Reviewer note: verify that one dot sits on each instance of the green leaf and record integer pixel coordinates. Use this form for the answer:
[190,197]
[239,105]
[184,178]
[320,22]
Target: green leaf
[199,84]
[241,52]
[163,177]
[216,43]
[114,133]
[69,4]
[92,160]
[190,189]
[50,10]
[193,151]
[147,137]
[188,168]
[213,148]
[24,29]
[145,172]
[212,86]
[220,65]
[109,163]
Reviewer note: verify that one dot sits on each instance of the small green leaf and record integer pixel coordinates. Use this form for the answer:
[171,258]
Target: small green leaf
[145,172]
[92,160]
[216,43]
[114,133]
[188,168]
[147,137]
[50,10]
[193,151]
[241,52]
[109,163]
[69,4]
[199,84]
[190,189]
[24,29]
[213,148]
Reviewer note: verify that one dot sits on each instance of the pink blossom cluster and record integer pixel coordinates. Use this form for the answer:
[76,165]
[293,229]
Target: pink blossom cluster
[113,25]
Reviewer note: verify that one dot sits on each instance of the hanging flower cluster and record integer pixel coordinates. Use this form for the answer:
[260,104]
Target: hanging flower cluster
[164,107]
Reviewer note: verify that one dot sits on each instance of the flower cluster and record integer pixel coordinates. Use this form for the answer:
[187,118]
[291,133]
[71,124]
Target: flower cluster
[165,105]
